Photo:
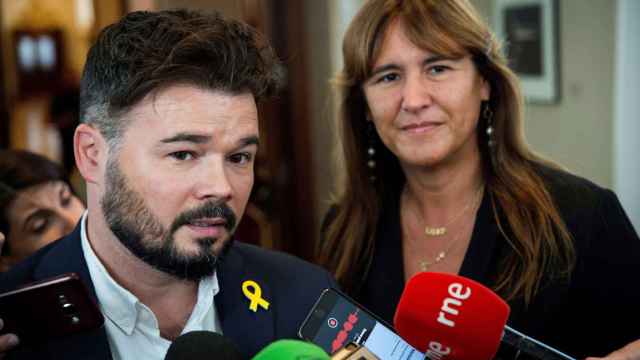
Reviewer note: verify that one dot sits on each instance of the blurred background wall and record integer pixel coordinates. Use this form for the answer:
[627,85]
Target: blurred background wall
[592,129]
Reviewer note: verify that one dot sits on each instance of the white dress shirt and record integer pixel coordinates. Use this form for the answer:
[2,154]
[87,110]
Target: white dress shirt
[132,328]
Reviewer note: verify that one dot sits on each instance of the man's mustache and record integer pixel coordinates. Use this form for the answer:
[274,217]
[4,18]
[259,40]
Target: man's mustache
[208,210]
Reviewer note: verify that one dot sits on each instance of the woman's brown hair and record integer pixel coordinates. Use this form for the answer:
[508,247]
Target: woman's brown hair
[541,243]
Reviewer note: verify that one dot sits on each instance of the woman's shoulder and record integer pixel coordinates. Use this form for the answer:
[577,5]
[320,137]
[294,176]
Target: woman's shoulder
[565,186]
[575,196]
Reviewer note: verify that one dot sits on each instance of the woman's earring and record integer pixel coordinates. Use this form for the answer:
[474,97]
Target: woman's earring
[487,114]
[371,151]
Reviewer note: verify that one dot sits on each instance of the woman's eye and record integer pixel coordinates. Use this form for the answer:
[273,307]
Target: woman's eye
[182,155]
[387,78]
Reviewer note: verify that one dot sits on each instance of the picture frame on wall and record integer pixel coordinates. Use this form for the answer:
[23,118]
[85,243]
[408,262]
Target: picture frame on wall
[529,31]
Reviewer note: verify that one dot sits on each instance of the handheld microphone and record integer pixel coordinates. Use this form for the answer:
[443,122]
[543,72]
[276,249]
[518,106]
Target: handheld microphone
[201,345]
[452,317]
[291,350]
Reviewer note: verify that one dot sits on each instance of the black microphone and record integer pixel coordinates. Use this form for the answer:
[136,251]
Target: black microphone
[202,345]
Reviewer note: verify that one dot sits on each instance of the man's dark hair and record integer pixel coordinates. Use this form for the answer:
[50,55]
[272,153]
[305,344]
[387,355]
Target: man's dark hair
[147,51]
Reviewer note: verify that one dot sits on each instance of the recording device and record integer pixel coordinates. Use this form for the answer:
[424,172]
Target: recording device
[291,350]
[49,309]
[200,345]
[353,351]
[336,320]
[451,317]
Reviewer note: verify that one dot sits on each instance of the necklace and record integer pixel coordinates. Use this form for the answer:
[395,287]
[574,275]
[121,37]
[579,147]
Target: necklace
[426,264]
[441,230]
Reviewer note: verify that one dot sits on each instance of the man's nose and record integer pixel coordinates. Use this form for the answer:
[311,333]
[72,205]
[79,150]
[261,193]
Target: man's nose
[213,182]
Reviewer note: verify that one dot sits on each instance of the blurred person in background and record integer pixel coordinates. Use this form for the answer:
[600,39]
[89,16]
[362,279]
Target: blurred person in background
[37,204]
[437,177]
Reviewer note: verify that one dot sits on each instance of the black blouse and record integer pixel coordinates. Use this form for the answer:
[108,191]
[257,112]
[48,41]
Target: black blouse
[593,313]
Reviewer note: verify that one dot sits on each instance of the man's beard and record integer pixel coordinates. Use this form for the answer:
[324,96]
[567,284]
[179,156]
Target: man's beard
[133,223]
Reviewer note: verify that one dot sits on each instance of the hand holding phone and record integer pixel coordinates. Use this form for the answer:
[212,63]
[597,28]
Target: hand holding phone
[7,341]
[336,320]
[47,309]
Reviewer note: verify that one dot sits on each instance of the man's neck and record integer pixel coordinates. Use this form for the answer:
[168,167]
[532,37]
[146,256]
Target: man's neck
[171,299]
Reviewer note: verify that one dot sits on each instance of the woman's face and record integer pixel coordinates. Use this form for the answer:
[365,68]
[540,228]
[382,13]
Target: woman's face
[425,107]
[37,216]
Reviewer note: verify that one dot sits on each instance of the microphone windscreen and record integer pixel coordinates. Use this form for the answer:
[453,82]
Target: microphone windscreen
[290,350]
[451,317]
[202,345]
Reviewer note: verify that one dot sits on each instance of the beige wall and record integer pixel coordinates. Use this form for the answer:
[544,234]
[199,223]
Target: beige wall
[320,101]
[578,131]
[326,23]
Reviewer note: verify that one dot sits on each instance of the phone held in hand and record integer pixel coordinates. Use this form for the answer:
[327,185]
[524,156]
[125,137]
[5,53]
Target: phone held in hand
[49,309]
[336,320]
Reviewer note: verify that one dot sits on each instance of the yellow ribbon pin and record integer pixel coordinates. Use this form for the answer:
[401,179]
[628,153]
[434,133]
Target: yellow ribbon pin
[255,295]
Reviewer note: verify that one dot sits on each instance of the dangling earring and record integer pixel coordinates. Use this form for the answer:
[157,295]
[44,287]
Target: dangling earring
[487,114]
[371,151]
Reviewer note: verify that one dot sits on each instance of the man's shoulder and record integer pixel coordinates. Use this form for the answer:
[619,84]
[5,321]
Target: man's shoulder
[284,272]
[277,263]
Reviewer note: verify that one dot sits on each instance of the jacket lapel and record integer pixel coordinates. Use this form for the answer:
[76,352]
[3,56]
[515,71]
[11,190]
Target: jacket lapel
[250,330]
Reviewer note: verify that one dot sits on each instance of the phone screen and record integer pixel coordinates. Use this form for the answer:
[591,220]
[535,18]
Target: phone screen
[336,320]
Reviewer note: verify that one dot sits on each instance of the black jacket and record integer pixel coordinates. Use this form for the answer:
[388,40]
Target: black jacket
[289,284]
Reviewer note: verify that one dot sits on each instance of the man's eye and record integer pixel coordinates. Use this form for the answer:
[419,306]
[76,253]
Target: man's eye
[182,155]
[241,158]
[437,69]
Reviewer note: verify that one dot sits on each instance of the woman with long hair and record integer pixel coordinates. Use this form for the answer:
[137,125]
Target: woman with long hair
[437,176]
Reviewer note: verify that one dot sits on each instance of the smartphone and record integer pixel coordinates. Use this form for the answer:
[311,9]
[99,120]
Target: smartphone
[336,320]
[49,309]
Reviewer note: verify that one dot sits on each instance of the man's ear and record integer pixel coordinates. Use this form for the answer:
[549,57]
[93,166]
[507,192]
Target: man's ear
[91,151]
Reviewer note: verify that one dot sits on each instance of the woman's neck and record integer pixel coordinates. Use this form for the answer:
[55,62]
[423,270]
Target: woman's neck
[439,193]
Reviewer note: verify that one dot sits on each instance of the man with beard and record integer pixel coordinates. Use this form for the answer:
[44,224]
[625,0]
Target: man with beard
[167,144]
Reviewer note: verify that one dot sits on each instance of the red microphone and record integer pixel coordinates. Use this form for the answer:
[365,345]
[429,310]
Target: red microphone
[451,317]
